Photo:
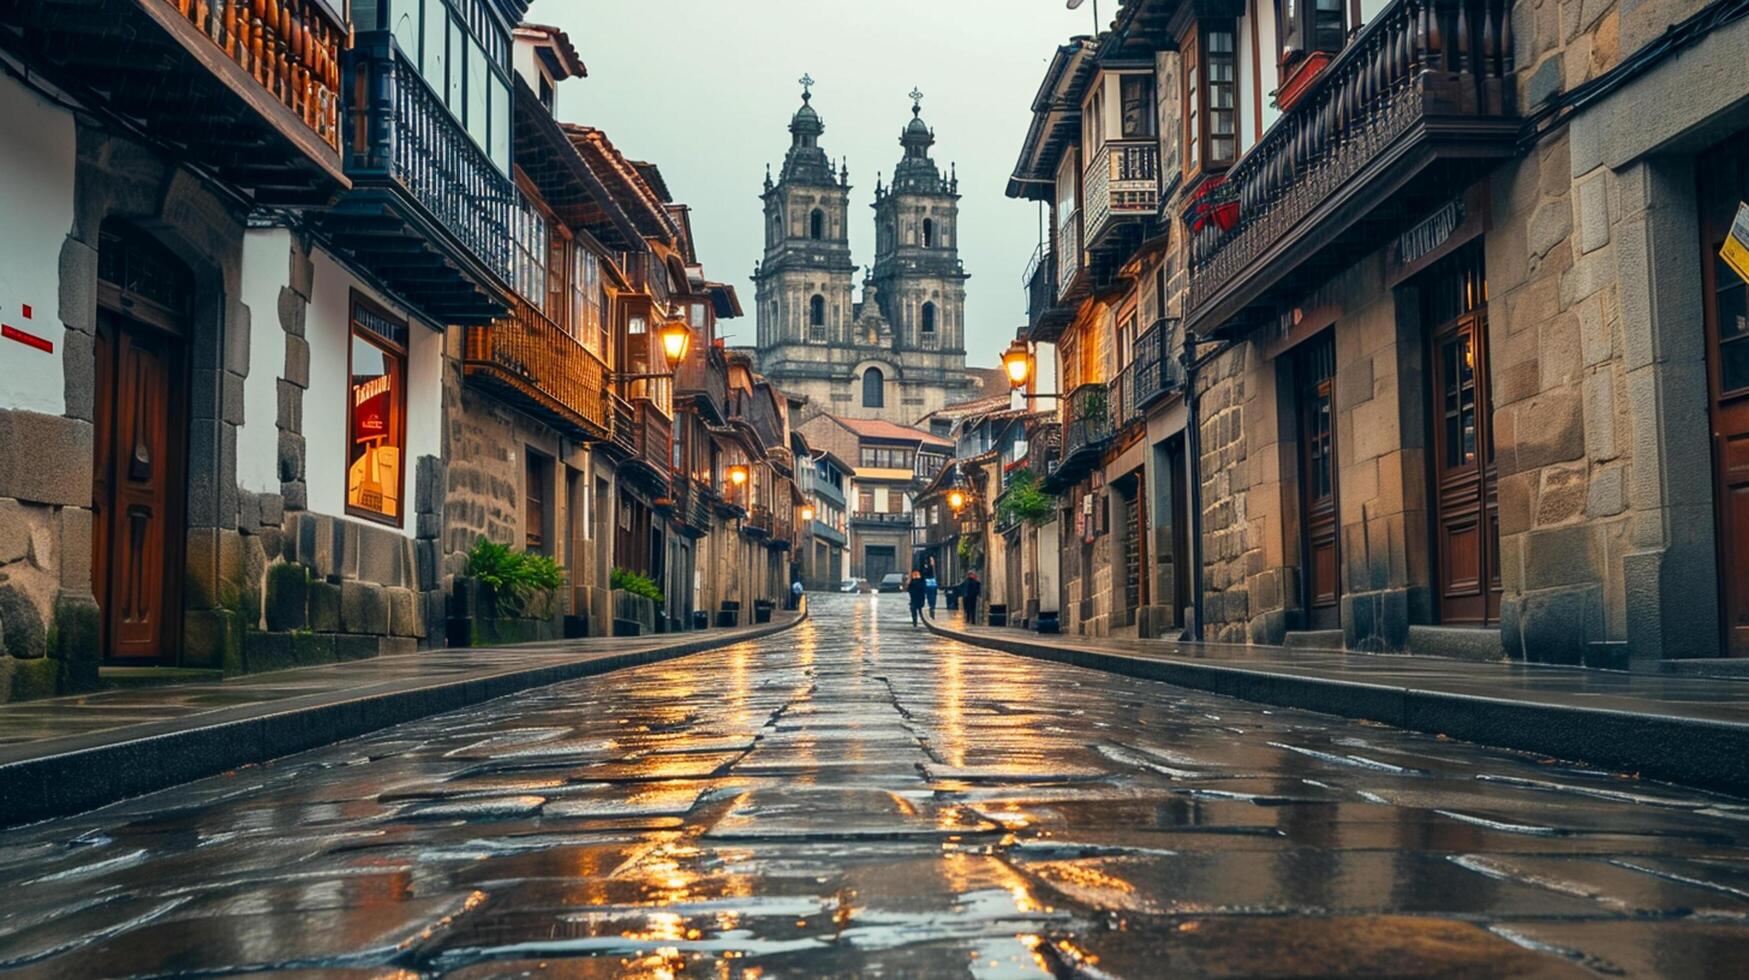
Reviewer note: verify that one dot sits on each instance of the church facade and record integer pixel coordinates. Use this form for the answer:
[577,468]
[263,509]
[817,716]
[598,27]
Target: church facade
[898,353]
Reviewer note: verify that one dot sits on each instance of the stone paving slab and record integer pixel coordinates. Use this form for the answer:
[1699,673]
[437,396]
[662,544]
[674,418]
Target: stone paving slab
[69,754]
[1691,730]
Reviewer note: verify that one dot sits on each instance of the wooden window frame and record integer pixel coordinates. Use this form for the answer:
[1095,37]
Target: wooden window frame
[1195,88]
[398,357]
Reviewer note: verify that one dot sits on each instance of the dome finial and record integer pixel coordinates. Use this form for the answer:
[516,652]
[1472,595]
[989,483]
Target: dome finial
[916,101]
[807,84]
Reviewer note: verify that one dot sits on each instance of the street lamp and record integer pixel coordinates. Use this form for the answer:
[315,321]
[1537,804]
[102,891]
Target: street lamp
[1017,362]
[807,513]
[956,501]
[675,340]
[738,475]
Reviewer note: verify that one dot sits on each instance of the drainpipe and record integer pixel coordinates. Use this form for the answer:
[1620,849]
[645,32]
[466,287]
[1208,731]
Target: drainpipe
[1193,450]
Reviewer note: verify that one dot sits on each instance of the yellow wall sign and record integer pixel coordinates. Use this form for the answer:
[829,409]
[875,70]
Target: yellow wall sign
[1736,249]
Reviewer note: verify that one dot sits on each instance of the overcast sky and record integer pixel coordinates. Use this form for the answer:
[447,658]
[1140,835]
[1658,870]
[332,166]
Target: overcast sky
[705,89]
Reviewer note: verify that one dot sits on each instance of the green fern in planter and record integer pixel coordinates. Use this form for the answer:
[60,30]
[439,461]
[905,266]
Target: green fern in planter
[517,581]
[638,585]
[1026,500]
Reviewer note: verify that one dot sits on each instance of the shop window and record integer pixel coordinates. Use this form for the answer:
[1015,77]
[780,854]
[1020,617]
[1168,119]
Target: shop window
[376,413]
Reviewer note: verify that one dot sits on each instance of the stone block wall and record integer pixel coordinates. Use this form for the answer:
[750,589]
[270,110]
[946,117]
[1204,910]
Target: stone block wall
[1561,428]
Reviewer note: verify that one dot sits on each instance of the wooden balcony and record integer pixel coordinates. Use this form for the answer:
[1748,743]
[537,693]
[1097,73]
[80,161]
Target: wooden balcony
[757,523]
[429,213]
[1420,105]
[246,90]
[531,361]
[703,382]
[692,507]
[651,443]
[1122,185]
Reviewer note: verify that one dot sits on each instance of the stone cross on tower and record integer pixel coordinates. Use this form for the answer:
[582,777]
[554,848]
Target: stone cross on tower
[916,100]
[807,84]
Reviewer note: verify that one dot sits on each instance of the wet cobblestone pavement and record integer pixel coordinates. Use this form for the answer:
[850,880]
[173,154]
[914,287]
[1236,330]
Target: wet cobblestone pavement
[859,798]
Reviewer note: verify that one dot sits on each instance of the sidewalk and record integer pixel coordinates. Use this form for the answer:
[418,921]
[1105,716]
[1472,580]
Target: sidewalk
[1689,730]
[70,754]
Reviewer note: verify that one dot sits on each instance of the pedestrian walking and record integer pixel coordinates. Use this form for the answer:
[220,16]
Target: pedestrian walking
[930,584]
[795,594]
[970,589]
[918,592]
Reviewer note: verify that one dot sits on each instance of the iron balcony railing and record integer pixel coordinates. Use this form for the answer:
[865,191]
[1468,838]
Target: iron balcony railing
[1159,372]
[1041,288]
[401,130]
[1086,420]
[545,367]
[1067,242]
[881,517]
[1122,183]
[1121,399]
[1422,80]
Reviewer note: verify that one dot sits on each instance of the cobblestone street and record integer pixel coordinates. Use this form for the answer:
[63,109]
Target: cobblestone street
[856,797]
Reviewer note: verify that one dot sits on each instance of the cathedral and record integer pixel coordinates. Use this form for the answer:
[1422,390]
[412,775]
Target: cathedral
[899,352]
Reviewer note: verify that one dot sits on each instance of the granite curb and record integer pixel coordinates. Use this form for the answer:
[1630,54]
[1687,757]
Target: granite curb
[65,779]
[1699,752]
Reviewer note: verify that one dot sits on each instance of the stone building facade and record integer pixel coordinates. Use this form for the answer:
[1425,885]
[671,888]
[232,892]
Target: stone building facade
[1481,402]
[899,352]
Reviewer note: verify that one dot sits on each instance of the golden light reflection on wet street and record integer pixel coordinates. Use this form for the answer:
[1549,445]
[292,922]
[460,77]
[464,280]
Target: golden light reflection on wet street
[856,797]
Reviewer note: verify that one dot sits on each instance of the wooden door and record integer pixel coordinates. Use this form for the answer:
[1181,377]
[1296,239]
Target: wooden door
[1466,503]
[1135,523]
[137,490]
[1315,377]
[1724,183]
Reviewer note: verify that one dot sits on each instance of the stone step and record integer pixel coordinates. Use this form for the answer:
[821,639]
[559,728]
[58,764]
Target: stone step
[1313,640]
[154,676]
[1459,642]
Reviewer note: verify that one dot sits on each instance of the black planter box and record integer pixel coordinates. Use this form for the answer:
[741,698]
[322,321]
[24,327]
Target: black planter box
[998,615]
[701,620]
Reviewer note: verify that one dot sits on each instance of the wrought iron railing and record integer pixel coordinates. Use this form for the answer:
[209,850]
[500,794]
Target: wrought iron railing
[880,517]
[1086,418]
[290,47]
[535,355]
[401,130]
[1123,180]
[1067,243]
[1417,59]
[1041,284]
[1159,372]
[1121,399]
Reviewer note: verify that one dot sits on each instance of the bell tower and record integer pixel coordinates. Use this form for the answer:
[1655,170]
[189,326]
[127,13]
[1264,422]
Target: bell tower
[803,283]
[917,266]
